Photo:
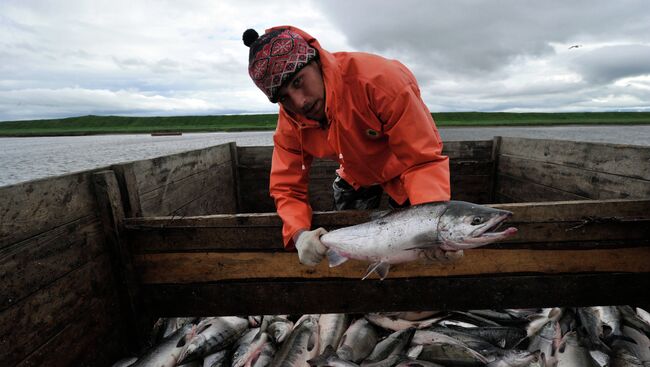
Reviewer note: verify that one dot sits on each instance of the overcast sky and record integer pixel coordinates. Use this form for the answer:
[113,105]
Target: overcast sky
[161,58]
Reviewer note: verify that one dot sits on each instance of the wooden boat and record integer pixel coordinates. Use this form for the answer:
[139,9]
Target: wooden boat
[89,260]
[166,133]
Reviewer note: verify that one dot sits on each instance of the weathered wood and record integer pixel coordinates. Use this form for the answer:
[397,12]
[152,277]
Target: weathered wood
[111,214]
[206,192]
[414,294]
[623,160]
[585,183]
[496,148]
[537,222]
[470,165]
[36,319]
[209,267]
[152,174]
[196,182]
[129,187]
[255,156]
[515,190]
[236,182]
[33,207]
[94,340]
[32,264]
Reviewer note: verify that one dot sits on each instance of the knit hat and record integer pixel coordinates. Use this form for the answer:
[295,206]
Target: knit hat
[275,57]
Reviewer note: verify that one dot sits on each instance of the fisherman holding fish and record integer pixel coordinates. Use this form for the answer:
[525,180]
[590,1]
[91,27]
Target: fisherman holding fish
[359,109]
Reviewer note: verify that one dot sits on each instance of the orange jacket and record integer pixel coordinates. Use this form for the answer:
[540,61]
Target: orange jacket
[380,132]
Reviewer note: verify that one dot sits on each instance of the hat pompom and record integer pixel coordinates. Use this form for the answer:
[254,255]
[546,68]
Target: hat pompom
[250,36]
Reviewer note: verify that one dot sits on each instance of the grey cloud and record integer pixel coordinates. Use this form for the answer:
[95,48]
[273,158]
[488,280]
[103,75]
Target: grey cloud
[607,64]
[468,36]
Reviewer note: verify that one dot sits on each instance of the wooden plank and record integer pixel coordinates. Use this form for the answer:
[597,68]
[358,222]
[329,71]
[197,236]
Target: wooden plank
[152,174]
[470,181]
[496,149]
[586,183]
[32,264]
[537,222]
[129,187]
[213,266]
[234,168]
[623,160]
[35,320]
[261,156]
[111,213]
[526,191]
[415,294]
[34,207]
[205,192]
[473,150]
[94,340]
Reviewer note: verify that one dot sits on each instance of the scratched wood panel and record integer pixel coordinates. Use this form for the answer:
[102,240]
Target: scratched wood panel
[26,326]
[579,181]
[210,267]
[97,339]
[517,190]
[32,264]
[30,208]
[206,192]
[596,221]
[480,149]
[195,182]
[470,181]
[622,160]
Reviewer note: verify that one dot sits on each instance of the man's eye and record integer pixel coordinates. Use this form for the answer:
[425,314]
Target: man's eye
[282,99]
[296,82]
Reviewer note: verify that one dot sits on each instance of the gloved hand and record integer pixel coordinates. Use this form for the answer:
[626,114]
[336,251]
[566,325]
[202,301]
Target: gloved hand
[310,250]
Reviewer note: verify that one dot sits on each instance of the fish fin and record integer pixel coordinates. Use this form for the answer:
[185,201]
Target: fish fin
[380,267]
[335,259]
[415,351]
[379,214]
[322,360]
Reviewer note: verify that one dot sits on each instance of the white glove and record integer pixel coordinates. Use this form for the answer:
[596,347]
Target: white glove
[310,250]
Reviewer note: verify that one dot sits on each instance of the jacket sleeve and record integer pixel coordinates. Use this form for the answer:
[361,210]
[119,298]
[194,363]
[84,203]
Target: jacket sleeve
[414,139]
[288,184]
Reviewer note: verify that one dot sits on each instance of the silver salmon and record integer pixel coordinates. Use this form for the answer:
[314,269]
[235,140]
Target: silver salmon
[416,232]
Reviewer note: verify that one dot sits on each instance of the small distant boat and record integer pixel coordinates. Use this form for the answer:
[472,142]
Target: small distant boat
[166,133]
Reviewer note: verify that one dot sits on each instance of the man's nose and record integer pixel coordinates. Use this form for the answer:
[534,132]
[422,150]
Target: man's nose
[299,100]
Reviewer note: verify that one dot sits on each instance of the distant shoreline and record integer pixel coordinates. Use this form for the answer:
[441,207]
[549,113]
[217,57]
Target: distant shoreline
[109,125]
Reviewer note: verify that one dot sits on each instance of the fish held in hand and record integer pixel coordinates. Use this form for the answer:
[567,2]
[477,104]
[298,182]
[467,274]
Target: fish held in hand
[416,232]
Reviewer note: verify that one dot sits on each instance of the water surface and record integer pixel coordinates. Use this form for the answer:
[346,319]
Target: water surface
[23,159]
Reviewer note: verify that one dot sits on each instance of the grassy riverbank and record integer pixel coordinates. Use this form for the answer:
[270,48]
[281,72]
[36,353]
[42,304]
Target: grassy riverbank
[89,125]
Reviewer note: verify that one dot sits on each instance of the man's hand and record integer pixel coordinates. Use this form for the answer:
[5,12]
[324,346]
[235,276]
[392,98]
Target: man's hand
[310,250]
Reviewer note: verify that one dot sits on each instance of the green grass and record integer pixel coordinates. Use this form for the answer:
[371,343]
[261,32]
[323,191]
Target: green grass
[88,125]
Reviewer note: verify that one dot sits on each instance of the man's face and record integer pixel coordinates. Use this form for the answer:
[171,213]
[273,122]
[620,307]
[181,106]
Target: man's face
[304,93]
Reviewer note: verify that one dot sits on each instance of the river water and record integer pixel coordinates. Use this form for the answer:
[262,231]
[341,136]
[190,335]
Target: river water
[24,159]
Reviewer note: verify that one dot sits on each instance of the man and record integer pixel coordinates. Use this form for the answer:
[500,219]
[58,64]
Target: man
[361,110]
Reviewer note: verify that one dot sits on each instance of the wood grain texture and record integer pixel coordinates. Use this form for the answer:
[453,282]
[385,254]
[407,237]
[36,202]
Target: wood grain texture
[622,160]
[209,267]
[194,182]
[35,320]
[537,223]
[32,264]
[34,207]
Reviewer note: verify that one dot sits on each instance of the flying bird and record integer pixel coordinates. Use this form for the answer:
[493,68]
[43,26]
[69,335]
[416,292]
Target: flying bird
[575,46]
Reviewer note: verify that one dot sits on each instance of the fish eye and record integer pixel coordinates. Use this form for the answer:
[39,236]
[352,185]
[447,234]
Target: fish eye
[477,221]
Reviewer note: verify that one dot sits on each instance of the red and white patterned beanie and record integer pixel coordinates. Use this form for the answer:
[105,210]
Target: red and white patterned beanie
[275,57]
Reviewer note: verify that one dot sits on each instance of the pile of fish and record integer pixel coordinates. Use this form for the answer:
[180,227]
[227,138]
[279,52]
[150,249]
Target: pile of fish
[587,336]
